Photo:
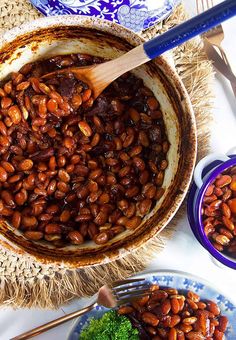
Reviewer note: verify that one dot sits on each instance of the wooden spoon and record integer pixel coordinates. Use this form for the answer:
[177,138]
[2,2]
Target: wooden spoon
[98,77]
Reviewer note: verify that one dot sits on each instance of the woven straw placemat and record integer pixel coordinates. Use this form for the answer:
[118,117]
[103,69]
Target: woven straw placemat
[26,283]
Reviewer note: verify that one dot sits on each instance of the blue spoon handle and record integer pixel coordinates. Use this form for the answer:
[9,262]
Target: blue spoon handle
[190,28]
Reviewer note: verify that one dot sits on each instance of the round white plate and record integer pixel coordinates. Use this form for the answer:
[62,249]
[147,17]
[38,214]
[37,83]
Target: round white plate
[180,281]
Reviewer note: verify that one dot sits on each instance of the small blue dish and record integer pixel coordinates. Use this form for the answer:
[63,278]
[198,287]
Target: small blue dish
[205,172]
[136,15]
[181,281]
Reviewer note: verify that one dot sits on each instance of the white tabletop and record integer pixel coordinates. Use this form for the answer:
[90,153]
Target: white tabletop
[182,252]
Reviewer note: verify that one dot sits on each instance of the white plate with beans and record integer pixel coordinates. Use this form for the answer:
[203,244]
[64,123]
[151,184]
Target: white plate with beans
[178,303]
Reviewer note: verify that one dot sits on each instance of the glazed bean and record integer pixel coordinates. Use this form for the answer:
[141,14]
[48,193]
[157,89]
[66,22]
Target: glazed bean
[3,174]
[101,238]
[150,319]
[16,219]
[26,164]
[8,198]
[85,128]
[29,222]
[232,205]
[166,306]
[15,114]
[213,307]
[63,175]
[125,310]
[53,228]
[34,235]
[75,237]
[223,181]
[133,222]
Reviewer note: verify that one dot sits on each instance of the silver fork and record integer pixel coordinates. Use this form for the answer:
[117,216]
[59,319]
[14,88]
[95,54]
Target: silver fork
[120,293]
[215,36]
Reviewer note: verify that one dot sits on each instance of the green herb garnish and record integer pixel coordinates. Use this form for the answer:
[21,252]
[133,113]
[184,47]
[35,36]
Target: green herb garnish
[110,326]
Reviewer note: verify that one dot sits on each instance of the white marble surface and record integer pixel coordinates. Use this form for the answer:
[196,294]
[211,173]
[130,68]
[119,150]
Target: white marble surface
[182,252]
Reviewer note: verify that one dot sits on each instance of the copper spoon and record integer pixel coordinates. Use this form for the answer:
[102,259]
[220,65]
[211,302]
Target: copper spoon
[120,293]
[98,77]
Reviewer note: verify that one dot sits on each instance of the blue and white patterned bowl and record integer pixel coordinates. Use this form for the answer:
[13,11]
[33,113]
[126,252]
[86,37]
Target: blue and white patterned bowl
[180,281]
[136,15]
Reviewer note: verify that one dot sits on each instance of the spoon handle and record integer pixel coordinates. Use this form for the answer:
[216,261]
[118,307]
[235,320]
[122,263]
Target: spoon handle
[190,28]
[54,323]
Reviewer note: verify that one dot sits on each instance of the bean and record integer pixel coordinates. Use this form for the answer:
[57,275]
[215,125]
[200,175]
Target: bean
[3,174]
[209,190]
[3,129]
[133,222]
[139,163]
[104,198]
[85,128]
[53,228]
[172,334]
[233,183]
[134,115]
[52,105]
[76,101]
[51,187]
[193,296]
[33,235]
[63,187]
[231,203]
[75,237]
[8,87]
[100,218]
[15,114]
[223,181]
[228,223]
[223,322]
[86,95]
[6,102]
[63,175]
[213,307]
[222,239]
[174,305]
[26,164]
[16,219]
[195,335]
[131,192]
[8,198]
[83,217]
[143,139]
[166,306]
[101,238]
[125,310]
[94,174]
[65,216]
[21,197]
[29,222]
[150,319]
[153,103]
[189,321]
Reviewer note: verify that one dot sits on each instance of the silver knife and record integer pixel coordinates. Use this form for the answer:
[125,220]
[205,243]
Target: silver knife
[220,64]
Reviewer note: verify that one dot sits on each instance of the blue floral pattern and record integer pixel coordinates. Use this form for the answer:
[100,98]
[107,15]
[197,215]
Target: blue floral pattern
[183,282]
[137,15]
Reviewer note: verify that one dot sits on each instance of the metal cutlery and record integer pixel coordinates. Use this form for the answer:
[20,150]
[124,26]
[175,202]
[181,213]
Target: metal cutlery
[214,37]
[120,293]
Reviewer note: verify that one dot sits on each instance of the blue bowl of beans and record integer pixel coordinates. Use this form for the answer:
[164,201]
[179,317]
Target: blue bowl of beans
[212,207]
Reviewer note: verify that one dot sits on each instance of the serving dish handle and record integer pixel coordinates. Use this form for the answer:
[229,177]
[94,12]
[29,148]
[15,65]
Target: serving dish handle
[205,162]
